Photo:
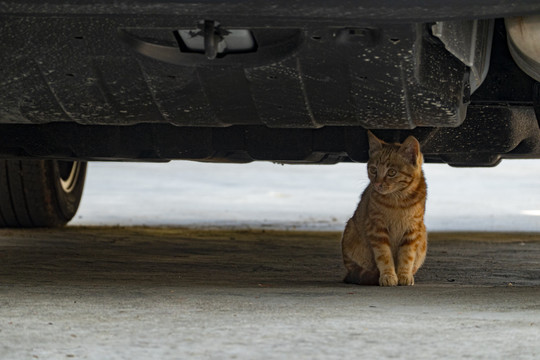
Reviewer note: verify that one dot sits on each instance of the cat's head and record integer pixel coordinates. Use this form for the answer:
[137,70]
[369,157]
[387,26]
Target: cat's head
[393,167]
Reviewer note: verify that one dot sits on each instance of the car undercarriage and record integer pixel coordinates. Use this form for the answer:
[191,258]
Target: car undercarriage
[282,81]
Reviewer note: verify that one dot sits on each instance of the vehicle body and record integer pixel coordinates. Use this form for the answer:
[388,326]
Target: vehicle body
[284,81]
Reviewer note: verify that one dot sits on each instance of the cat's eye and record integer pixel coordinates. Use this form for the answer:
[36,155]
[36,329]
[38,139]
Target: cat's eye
[372,170]
[391,172]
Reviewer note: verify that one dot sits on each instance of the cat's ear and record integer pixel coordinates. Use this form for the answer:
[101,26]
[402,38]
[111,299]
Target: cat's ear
[410,150]
[374,143]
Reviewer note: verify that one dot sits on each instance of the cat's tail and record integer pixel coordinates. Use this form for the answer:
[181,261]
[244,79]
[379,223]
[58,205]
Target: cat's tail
[360,276]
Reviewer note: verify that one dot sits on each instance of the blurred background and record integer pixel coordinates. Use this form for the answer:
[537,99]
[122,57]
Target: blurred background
[307,197]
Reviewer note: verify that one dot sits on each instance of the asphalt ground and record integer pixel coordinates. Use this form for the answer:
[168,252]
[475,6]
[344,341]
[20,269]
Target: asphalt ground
[178,293]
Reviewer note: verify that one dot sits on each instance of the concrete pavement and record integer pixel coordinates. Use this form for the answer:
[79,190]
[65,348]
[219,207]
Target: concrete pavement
[260,194]
[173,293]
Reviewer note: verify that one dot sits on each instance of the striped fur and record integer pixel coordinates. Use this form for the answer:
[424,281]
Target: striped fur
[385,241]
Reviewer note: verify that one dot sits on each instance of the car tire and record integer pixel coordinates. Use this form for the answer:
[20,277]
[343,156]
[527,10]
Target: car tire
[40,193]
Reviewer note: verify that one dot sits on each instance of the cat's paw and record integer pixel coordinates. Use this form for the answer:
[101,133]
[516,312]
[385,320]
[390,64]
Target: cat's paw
[388,280]
[405,279]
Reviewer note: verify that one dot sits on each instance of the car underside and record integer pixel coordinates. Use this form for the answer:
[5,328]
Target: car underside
[284,81]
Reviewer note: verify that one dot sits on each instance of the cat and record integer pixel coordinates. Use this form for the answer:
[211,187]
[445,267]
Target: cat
[385,241]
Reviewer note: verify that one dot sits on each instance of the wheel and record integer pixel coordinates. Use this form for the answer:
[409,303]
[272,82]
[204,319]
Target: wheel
[40,193]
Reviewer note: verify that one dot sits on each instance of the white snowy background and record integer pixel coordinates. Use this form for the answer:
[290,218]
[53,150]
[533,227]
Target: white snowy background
[312,197]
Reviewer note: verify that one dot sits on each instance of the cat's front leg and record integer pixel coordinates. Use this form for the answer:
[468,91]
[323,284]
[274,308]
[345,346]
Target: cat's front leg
[407,254]
[382,253]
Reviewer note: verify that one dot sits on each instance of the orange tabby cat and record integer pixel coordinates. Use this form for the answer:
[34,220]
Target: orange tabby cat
[385,241]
